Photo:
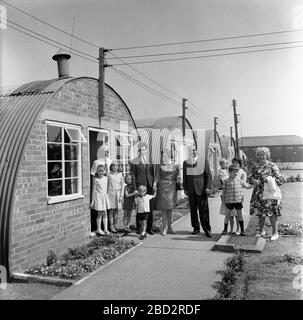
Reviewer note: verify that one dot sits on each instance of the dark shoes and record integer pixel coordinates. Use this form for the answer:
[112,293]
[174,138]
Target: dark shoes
[195,232]
[142,236]
[208,234]
[150,232]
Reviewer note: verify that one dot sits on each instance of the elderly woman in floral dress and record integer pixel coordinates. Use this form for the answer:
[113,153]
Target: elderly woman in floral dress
[258,204]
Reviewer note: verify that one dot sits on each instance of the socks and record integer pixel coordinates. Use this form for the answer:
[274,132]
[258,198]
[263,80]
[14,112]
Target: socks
[241,223]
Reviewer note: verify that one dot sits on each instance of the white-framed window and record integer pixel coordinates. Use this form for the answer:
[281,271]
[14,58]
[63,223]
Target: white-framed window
[64,172]
[124,149]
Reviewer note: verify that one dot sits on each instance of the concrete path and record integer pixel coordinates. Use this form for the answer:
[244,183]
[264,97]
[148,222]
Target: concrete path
[180,266]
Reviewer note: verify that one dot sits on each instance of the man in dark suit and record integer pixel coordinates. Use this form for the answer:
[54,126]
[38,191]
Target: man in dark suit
[144,174]
[197,184]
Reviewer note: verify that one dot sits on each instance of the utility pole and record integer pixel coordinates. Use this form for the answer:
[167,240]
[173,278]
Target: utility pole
[231,136]
[236,126]
[183,117]
[102,66]
[215,129]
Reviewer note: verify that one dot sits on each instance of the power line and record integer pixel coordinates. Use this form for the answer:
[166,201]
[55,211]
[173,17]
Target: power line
[209,40]
[209,56]
[50,25]
[51,44]
[194,112]
[159,94]
[147,77]
[144,86]
[42,36]
[207,50]
[200,111]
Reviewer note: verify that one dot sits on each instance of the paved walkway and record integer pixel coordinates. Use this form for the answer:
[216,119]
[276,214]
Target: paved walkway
[180,266]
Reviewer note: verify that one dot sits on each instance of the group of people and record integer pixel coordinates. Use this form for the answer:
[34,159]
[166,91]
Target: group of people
[146,182]
[233,179]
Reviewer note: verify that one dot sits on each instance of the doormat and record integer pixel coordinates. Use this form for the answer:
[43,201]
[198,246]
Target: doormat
[232,243]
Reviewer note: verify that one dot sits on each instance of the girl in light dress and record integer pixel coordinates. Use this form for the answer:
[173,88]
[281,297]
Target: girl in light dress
[100,201]
[115,194]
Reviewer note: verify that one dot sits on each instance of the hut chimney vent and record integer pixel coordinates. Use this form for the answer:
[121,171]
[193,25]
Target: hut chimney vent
[62,58]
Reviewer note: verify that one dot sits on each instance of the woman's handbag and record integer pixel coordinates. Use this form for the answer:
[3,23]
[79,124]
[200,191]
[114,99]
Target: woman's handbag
[271,190]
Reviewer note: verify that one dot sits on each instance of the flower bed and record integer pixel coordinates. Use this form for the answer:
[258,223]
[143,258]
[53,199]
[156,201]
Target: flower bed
[81,260]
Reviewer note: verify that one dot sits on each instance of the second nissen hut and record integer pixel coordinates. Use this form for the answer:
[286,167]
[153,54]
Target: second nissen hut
[50,134]
[166,133]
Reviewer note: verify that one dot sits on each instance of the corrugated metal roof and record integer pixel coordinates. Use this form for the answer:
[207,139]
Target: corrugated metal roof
[258,141]
[161,123]
[19,110]
[7,90]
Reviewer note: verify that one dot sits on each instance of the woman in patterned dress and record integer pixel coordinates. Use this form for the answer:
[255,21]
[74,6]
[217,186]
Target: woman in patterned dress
[167,175]
[258,205]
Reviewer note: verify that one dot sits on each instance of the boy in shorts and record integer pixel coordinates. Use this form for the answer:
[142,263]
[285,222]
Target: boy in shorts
[233,198]
[143,209]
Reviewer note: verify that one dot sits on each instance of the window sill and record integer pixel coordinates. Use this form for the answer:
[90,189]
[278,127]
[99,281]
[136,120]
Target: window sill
[57,199]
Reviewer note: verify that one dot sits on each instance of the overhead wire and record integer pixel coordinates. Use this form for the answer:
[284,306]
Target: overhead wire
[48,24]
[49,43]
[76,52]
[209,56]
[61,44]
[209,40]
[208,50]
[159,94]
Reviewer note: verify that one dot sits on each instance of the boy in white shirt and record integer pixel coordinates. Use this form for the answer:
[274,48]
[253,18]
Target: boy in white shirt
[143,209]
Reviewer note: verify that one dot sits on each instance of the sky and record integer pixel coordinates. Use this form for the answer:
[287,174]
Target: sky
[267,85]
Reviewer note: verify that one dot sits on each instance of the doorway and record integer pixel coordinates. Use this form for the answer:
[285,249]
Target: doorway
[97,138]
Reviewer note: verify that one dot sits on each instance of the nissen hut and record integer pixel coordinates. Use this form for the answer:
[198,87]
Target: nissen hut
[50,134]
[166,133]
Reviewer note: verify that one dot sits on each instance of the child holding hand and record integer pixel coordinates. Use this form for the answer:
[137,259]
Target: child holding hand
[143,209]
[233,198]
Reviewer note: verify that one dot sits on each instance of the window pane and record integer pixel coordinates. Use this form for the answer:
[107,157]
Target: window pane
[55,188]
[73,134]
[71,152]
[71,169]
[53,134]
[66,138]
[54,170]
[71,186]
[54,151]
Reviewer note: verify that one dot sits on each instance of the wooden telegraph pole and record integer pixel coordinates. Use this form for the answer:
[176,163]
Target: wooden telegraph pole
[236,126]
[215,129]
[183,117]
[102,66]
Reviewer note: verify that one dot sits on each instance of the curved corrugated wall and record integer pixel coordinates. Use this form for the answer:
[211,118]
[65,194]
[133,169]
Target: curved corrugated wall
[19,110]
[17,117]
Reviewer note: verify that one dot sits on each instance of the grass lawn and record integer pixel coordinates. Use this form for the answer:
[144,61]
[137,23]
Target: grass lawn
[271,275]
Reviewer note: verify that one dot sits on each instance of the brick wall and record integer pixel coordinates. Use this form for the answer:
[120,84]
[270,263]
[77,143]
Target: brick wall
[35,224]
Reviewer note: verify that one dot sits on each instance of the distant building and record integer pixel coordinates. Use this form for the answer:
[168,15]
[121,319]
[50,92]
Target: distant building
[284,148]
